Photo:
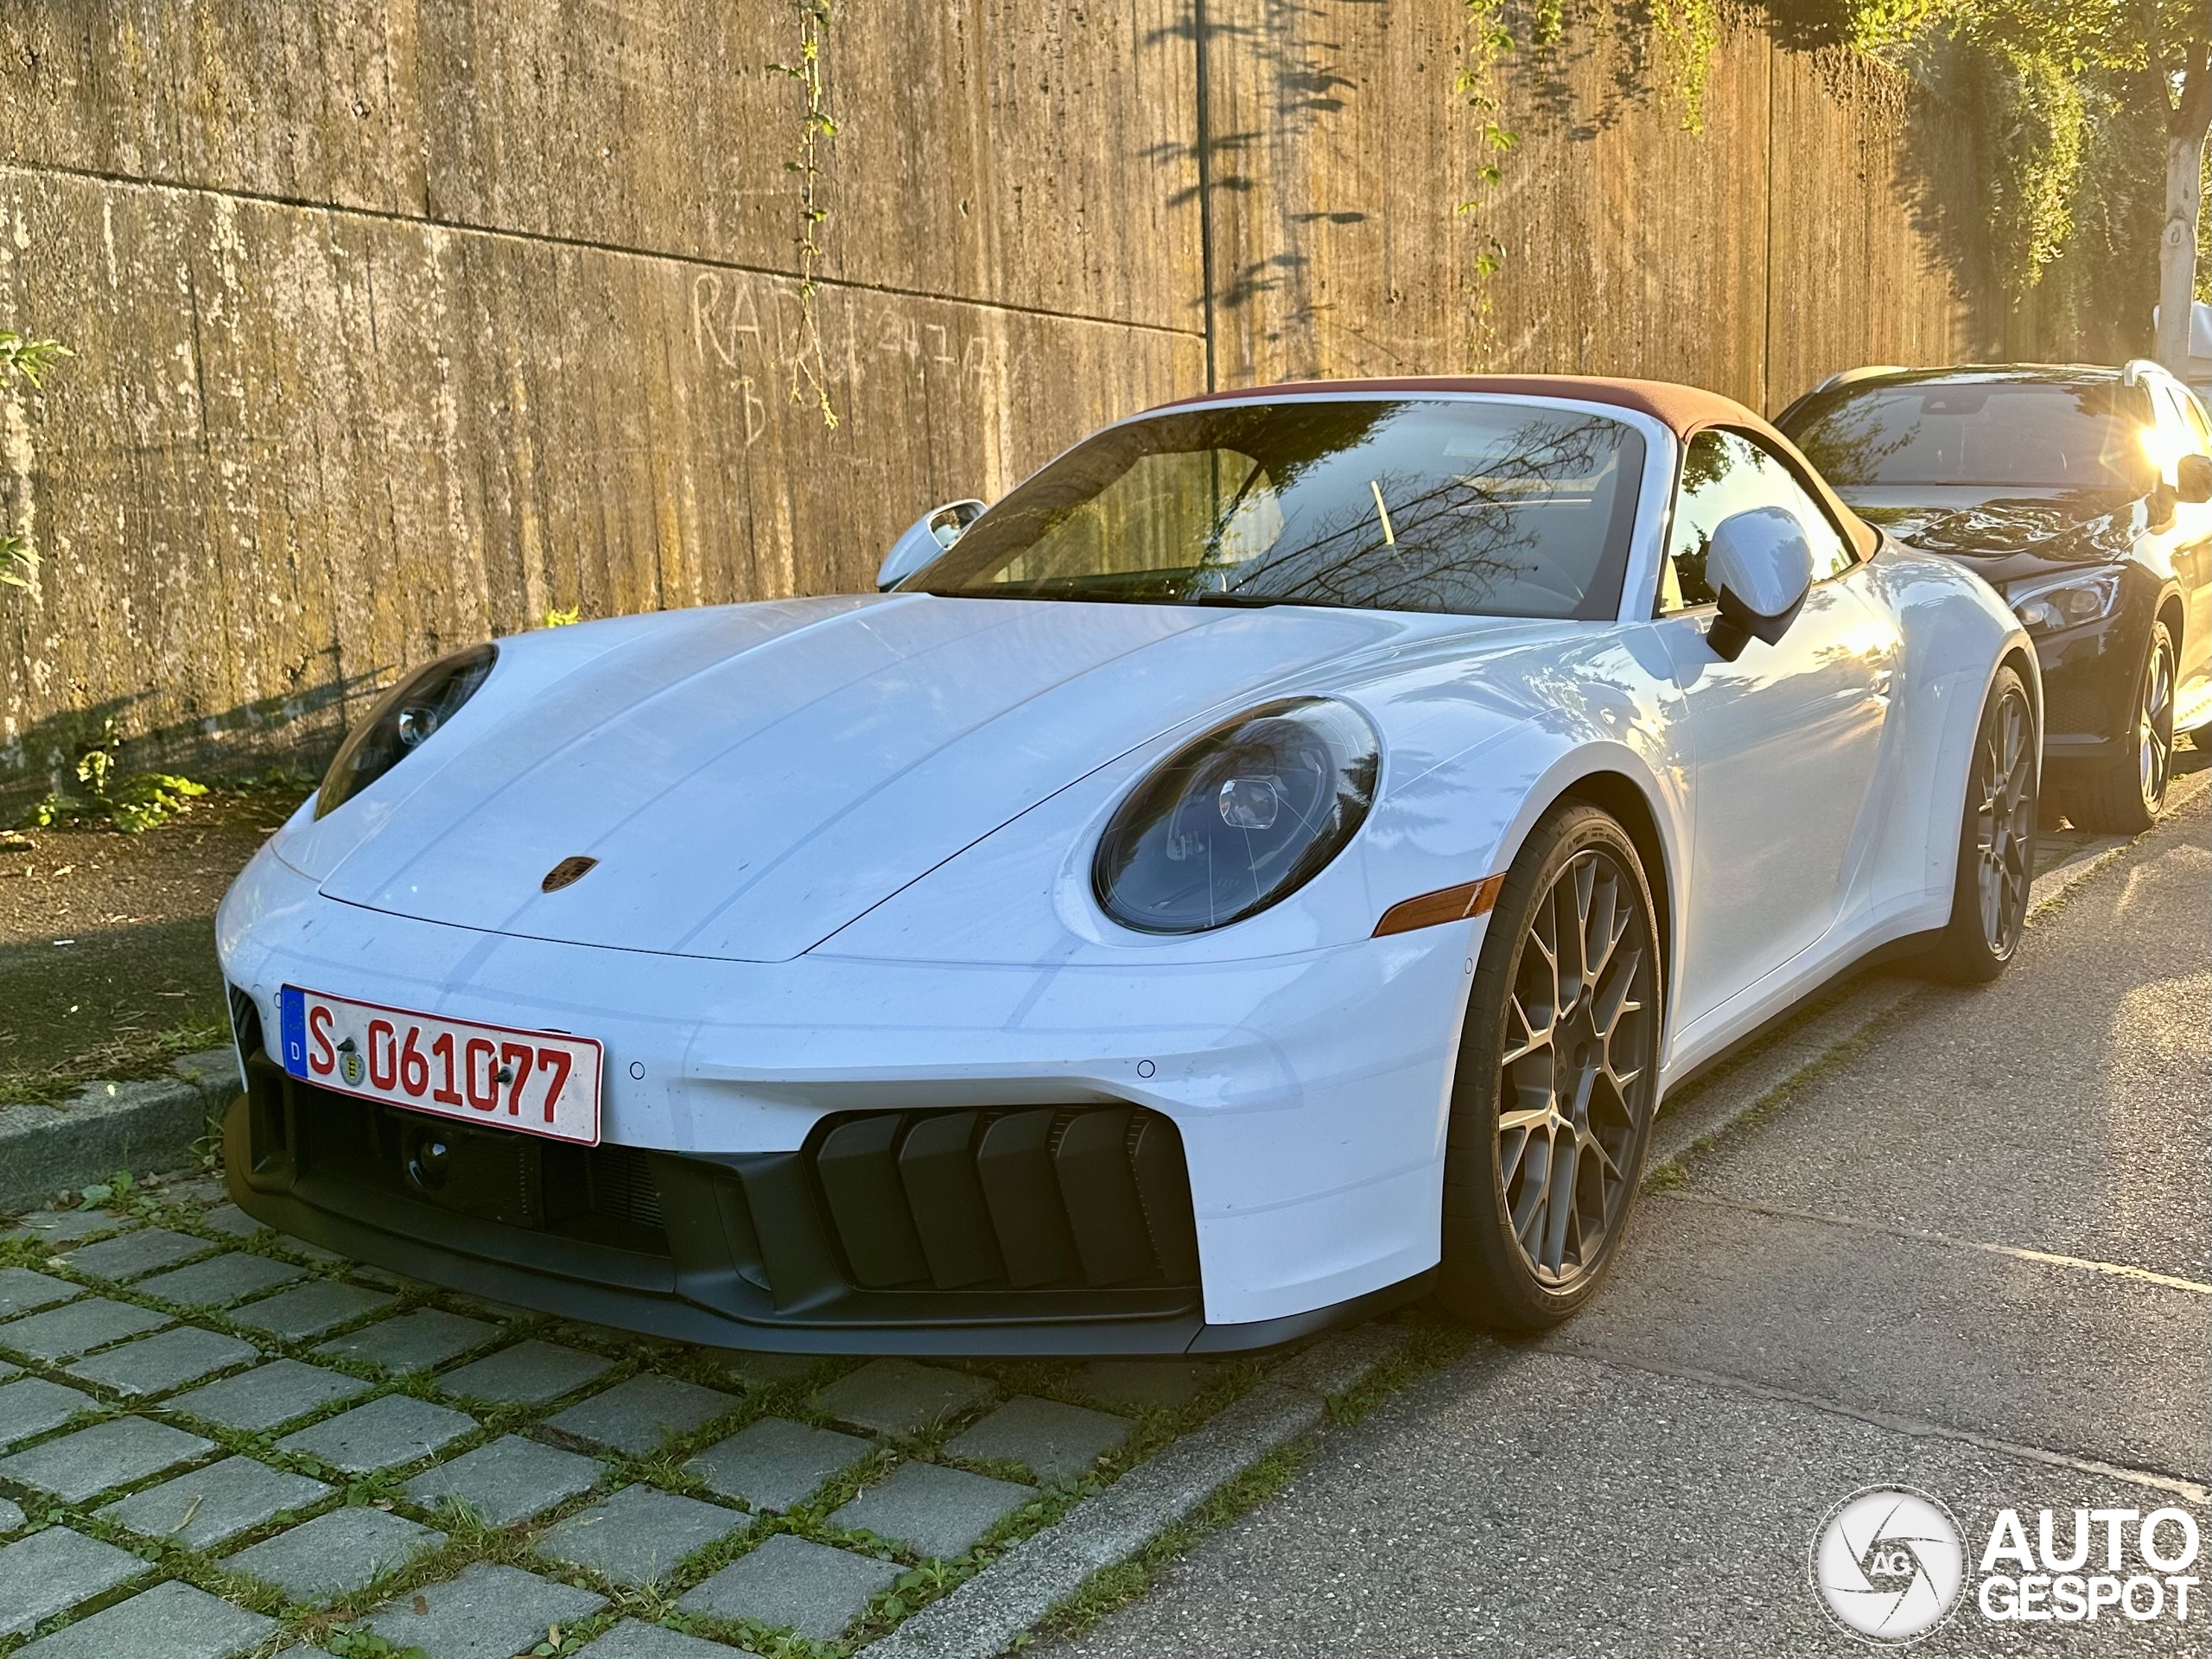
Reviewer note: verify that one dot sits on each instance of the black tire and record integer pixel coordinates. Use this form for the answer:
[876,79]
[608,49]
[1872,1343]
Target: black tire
[1997,840]
[2123,796]
[1533,1215]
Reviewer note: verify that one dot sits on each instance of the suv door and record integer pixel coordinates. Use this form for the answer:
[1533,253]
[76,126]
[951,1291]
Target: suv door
[1786,738]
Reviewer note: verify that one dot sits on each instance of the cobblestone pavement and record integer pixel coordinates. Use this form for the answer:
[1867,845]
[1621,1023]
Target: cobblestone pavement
[217,1441]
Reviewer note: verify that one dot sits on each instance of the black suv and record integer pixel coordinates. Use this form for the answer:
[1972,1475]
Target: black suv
[2078,493]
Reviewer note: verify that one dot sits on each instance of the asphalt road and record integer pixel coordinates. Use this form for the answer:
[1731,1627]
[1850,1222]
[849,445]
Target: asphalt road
[1971,1258]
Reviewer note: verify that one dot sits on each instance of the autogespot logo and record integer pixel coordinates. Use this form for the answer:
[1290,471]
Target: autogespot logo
[1887,1563]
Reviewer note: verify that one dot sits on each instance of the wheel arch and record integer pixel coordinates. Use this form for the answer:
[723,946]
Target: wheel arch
[1615,781]
[1618,795]
[2174,614]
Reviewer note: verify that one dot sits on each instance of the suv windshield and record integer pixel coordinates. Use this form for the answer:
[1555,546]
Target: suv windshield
[2045,436]
[1494,509]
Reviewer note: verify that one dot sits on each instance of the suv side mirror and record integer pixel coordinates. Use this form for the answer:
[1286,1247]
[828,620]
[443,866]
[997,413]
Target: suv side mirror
[2193,478]
[1761,565]
[927,536]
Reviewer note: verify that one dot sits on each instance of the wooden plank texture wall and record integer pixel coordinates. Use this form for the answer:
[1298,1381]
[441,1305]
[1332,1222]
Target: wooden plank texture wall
[396,325]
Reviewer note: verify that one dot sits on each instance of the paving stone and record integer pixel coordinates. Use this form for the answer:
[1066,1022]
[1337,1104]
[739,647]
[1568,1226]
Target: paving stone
[639,1415]
[68,1226]
[638,1535]
[757,1371]
[77,1328]
[220,1280]
[206,1507]
[107,1454]
[279,1392]
[229,1218]
[200,1188]
[11,1515]
[896,1396]
[791,1583]
[49,1571]
[529,1374]
[31,1405]
[136,1255]
[382,1434]
[488,1612]
[170,1621]
[342,1551]
[413,1341]
[309,1310]
[23,1290]
[169,1359]
[1133,1385]
[775,1464]
[509,1480]
[631,1640]
[932,1509]
[1052,1441]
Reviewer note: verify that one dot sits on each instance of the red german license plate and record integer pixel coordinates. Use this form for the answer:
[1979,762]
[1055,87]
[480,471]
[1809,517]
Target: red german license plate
[540,1082]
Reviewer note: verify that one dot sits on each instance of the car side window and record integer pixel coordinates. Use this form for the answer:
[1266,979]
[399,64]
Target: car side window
[1725,472]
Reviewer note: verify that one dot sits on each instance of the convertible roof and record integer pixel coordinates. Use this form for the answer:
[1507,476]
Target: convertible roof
[1685,409]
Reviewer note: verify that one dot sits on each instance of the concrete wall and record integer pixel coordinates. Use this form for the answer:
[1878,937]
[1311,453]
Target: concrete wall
[396,325]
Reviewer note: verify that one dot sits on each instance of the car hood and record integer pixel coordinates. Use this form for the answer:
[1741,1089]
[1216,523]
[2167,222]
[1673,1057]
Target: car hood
[2005,535]
[748,790]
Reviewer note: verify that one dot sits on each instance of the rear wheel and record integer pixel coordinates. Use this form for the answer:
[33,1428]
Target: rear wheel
[2122,796]
[1557,1078]
[1997,840]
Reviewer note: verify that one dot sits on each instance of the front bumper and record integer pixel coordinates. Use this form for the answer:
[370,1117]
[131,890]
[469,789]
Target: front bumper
[1305,1097]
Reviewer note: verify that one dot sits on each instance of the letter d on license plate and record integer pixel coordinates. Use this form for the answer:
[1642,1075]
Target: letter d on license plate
[540,1082]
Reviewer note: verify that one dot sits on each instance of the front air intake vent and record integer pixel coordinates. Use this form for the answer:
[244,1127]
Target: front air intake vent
[1049,1198]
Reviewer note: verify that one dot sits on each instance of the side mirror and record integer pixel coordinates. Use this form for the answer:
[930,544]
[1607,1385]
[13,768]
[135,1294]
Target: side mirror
[927,536]
[2193,478]
[1761,565]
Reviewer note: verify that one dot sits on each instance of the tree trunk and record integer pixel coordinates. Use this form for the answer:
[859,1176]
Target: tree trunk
[2185,129]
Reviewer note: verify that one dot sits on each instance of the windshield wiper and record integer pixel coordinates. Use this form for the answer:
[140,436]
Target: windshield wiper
[1246,601]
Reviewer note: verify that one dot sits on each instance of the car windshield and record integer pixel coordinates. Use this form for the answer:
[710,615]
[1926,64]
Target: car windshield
[2039,436]
[1487,508]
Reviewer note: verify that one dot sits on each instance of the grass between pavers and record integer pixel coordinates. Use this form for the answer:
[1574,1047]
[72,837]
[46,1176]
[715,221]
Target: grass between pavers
[468,1542]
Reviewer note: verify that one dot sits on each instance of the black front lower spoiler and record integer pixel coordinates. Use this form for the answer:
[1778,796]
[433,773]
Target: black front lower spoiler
[665,1314]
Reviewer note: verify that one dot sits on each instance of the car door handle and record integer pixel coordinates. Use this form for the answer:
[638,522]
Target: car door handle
[1882,679]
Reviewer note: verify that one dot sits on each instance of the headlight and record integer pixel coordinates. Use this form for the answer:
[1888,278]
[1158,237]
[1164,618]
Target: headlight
[1239,818]
[2049,603]
[406,719]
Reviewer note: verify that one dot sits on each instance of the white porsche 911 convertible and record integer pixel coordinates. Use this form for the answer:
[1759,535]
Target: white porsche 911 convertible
[1269,866]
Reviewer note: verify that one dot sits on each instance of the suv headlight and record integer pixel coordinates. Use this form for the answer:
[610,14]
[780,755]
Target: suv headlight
[1239,818]
[2049,603]
[403,719]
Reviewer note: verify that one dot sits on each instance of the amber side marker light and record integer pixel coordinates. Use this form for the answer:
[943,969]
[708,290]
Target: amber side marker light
[1449,905]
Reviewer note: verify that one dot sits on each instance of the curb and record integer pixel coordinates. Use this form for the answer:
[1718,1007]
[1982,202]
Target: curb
[1778,1065]
[986,1615]
[142,1127]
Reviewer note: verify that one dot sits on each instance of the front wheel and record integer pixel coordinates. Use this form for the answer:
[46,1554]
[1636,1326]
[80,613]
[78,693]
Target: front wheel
[1557,1080]
[1997,842]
